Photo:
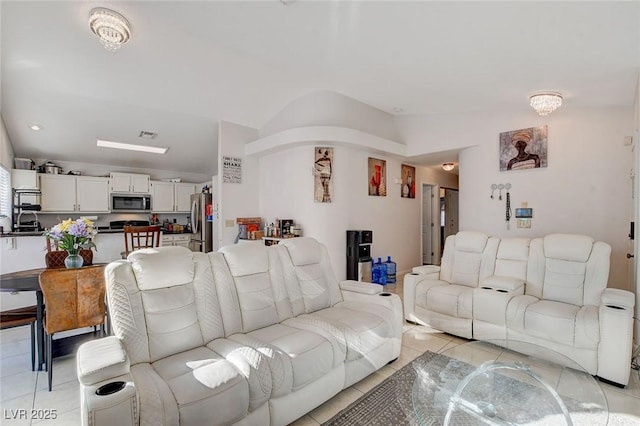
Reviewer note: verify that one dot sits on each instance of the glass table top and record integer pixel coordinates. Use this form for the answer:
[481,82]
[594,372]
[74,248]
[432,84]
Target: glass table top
[482,382]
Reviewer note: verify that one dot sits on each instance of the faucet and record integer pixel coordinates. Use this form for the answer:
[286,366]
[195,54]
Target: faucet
[36,223]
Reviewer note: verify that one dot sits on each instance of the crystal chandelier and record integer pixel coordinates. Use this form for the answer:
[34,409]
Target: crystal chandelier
[110,27]
[546,103]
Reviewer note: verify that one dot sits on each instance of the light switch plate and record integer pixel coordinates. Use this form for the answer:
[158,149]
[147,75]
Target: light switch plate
[229,223]
[524,223]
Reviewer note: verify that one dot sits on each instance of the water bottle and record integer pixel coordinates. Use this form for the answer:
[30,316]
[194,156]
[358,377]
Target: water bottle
[375,272]
[383,272]
[391,270]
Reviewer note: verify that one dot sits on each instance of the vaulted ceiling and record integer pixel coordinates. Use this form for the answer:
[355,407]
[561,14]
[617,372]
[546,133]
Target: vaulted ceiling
[189,65]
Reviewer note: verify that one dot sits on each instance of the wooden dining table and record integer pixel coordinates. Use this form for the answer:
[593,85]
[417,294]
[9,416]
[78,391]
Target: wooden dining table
[29,280]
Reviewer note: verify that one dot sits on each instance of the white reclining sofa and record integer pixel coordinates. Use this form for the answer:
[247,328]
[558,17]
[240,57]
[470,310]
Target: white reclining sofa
[550,292]
[248,335]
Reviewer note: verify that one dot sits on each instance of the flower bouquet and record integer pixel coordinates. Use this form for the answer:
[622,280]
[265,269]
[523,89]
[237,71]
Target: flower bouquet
[73,235]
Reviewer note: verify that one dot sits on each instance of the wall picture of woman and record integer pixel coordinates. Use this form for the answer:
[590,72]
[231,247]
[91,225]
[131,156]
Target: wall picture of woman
[523,149]
[323,166]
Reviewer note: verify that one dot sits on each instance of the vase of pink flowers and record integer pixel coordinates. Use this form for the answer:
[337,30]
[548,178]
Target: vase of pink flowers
[73,235]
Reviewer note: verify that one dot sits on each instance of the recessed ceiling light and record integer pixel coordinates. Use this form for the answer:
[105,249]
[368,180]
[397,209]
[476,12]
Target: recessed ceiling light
[448,166]
[131,147]
[35,127]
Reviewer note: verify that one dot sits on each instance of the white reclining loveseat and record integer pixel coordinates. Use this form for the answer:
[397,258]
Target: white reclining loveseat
[550,292]
[246,335]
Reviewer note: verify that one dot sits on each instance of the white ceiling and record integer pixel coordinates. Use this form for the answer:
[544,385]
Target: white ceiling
[191,64]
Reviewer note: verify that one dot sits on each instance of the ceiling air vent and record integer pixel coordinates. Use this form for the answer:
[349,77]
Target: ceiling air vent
[147,135]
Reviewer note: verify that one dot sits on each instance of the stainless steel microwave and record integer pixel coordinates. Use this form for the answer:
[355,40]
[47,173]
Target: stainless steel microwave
[130,203]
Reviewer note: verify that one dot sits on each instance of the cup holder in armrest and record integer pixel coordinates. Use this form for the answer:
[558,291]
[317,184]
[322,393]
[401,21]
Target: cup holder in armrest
[486,288]
[502,291]
[414,273]
[615,307]
[110,388]
[384,294]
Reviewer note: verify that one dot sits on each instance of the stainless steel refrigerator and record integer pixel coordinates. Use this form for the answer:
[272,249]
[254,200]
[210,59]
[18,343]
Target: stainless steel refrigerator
[201,224]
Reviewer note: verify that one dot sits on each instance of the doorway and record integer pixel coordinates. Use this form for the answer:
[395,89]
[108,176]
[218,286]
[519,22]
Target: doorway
[430,233]
[439,220]
[448,214]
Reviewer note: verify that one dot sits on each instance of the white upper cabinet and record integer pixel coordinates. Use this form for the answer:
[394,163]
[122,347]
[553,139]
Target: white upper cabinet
[65,193]
[169,197]
[92,194]
[162,197]
[129,183]
[184,191]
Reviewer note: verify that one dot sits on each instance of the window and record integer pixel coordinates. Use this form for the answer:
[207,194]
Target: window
[5,192]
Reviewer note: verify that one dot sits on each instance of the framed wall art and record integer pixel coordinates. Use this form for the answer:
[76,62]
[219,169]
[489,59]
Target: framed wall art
[408,181]
[323,166]
[377,177]
[523,149]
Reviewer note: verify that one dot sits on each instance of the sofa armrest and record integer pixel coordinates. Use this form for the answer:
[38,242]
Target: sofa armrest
[360,287]
[616,298]
[100,360]
[426,269]
[503,284]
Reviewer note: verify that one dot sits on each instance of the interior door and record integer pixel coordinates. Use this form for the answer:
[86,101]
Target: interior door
[428,227]
[450,212]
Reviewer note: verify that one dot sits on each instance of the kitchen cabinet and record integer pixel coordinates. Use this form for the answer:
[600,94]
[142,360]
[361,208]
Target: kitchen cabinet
[183,194]
[66,193]
[129,183]
[169,197]
[176,240]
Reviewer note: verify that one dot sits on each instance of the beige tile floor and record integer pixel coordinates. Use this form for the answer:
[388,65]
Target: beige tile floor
[22,389]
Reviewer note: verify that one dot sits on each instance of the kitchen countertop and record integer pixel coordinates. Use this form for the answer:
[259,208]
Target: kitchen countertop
[100,231]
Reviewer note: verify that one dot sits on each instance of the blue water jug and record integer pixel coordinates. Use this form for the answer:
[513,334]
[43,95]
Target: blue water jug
[391,270]
[383,272]
[375,272]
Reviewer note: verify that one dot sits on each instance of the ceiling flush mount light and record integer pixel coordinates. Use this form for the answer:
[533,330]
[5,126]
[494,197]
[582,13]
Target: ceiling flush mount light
[35,127]
[110,27]
[131,147]
[546,102]
[447,167]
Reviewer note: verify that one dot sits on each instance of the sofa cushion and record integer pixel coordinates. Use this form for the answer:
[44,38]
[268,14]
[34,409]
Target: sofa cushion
[551,320]
[311,356]
[237,257]
[360,332]
[453,300]
[571,247]
[466,269]
[205,386]
[172,320]
[470,241]
[252,281]
[564,281]
[303,251]
[162,267]
[512,257]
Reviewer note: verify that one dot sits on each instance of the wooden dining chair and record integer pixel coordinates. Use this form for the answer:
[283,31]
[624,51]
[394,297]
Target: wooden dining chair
[19,317]
[74,298]
[54,258]
[137,237]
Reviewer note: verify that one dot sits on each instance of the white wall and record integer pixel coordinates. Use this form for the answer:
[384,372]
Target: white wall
[585,189]
[6,149]
[325,108]
[286,191]
[236,200]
